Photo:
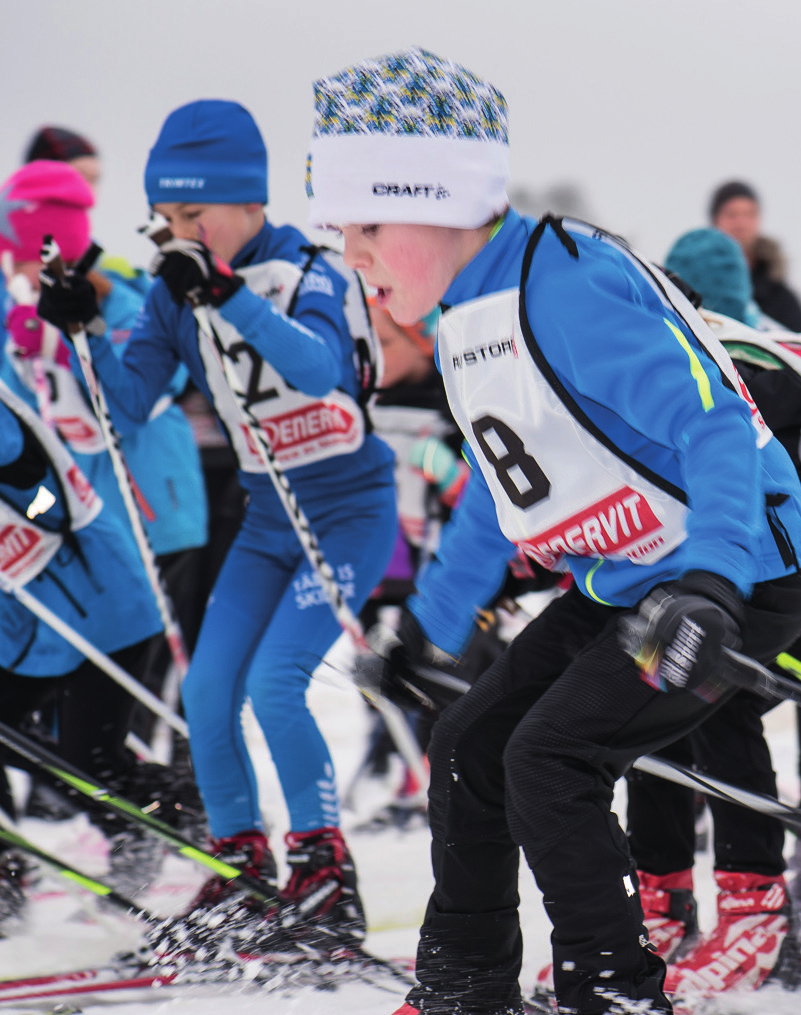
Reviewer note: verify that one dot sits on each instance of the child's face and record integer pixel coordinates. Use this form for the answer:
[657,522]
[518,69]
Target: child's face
[411,266]
[224,228]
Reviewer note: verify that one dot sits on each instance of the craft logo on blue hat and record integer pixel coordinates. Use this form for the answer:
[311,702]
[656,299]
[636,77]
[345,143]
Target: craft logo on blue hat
[210,152]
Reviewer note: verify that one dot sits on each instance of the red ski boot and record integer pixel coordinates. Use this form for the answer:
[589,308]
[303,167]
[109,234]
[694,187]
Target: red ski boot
[250,852]
[222,919]
[669,911]
[321,899]
[743,949]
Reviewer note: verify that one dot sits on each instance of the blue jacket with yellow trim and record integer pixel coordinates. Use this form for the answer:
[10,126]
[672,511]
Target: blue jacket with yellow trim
[640,375]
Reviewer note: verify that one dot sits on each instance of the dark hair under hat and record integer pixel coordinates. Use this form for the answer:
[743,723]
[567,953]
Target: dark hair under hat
[57,144]
[727,192]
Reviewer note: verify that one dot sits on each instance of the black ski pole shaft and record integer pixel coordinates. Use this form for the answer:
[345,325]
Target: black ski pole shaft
[73,777]
[99,888]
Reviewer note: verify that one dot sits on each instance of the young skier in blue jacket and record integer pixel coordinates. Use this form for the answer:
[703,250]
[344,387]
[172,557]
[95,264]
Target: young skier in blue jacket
[280,322]
[609,433]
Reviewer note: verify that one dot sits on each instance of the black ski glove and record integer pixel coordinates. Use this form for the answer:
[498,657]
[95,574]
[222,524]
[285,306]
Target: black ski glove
[393,670]
[193,274]
[69,301]
[680,630]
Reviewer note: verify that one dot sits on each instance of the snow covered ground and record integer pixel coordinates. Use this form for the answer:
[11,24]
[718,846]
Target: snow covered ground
[66,929]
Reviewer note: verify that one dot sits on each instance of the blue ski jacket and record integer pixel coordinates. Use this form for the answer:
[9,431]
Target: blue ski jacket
[658,395]
[96,582]
[312,350]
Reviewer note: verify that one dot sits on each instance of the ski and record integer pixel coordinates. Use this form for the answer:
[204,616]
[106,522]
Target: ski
[134,975]
[731,1003]
[280,972]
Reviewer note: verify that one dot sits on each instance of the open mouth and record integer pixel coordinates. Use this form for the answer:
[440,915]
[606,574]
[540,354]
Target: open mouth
[382,296]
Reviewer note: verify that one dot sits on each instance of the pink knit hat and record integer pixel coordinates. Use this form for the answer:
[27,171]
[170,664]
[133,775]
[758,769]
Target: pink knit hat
[45,197]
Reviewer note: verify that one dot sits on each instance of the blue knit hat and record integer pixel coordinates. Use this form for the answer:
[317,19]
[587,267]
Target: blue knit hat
[715,266]
[211,152]
[409,137]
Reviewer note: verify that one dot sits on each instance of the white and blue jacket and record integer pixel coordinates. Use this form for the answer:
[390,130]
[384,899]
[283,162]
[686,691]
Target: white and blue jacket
[633,380]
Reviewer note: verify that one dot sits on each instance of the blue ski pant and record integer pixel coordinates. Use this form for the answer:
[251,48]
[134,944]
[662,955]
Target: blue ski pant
[267,626]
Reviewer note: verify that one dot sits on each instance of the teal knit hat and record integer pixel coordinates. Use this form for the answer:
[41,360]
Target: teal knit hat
[715,266]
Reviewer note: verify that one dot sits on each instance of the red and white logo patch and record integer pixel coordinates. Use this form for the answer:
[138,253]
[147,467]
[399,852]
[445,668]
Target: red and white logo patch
[622,522]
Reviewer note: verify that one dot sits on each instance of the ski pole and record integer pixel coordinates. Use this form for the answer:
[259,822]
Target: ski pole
[103,891]
[753,676]
[746,673]
[51,258]
[100,659]
[159,232]
[710,786]
[72,888]
[73,777]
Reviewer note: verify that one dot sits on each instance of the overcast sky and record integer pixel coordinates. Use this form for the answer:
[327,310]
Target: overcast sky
[645,105]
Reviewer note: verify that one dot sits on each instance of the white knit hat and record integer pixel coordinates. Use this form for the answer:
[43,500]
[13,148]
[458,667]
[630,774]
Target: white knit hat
[407,138]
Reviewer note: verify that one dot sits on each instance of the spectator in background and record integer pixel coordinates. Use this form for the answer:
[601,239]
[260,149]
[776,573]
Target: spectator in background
[57,144]
[735,210]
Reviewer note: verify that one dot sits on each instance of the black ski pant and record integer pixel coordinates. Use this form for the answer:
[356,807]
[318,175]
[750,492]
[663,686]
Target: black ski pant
[529,759]
[661,815]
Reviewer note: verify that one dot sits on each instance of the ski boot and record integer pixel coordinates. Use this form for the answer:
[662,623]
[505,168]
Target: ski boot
[13,881]
[223,924]
[321,905]
[747,945]
[670,912]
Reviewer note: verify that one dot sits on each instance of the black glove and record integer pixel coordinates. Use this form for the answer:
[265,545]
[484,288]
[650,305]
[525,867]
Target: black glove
[394,667]
[680,630]
[193,274]
[69,301]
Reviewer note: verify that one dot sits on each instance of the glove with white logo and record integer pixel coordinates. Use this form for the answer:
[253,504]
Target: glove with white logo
[193,274]
[680,631]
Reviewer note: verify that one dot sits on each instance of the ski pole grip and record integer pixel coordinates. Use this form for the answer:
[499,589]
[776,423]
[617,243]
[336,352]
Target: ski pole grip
[157,229]
[51,257]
